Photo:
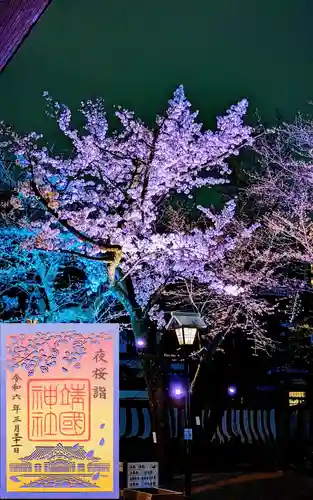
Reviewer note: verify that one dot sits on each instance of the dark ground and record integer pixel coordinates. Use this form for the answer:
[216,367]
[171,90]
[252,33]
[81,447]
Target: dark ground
[249,486]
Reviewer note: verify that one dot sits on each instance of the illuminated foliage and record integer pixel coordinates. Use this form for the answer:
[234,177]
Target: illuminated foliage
[111,202]
[49,286]
[282,188]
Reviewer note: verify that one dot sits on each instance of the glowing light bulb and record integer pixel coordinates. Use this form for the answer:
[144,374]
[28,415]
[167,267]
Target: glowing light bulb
[232,390]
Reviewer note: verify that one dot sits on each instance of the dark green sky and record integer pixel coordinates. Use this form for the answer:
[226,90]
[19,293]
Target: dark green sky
[135,52]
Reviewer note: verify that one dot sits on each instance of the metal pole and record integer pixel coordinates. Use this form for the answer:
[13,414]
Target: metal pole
[188,475]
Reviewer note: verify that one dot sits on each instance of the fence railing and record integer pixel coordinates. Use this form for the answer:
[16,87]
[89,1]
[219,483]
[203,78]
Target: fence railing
[246,425]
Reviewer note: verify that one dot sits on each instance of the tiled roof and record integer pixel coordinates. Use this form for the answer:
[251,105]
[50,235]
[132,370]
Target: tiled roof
[50,452]
[187,319]
[17,17]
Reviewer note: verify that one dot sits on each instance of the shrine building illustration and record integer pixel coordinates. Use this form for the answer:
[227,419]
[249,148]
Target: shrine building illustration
[52,461]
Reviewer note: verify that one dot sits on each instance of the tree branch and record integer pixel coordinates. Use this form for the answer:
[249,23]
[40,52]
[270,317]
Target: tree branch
[81,236]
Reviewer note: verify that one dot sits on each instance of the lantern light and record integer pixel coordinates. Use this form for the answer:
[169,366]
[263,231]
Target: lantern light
[232,390]
[186,325]
[140,343]
[177,391]
[186,335]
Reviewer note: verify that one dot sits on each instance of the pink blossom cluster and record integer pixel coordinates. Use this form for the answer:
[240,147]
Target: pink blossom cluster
[113,189]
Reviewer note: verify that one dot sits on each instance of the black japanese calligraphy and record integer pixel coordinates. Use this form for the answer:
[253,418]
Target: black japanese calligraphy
[99,392]
[16,409]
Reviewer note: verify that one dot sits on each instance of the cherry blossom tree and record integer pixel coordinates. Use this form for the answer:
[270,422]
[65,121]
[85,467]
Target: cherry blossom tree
[282,189]
[106,201]
[110,201]
[247,275]
[49,287]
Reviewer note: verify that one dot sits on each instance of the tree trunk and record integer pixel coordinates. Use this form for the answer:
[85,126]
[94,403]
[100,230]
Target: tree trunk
[215,413]
[154,370]
[155,374]
[156,384]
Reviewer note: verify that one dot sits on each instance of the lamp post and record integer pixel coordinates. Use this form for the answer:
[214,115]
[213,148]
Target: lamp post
[186,326]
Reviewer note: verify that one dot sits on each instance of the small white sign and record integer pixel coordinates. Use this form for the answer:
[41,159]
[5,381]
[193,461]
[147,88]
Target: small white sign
[188,434]
[154,437]
[142,475]
[198,422]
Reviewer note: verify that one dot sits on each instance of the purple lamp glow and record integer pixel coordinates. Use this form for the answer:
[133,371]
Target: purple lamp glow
[177,391]
[232,390]
[140,343]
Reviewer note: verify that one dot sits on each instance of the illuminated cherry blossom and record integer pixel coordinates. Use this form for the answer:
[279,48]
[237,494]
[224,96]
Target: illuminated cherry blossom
[109,199]
[282,187]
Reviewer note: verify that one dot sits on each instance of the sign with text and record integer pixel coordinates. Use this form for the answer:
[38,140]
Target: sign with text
[142,475]
[59,418]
